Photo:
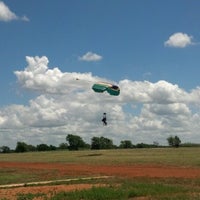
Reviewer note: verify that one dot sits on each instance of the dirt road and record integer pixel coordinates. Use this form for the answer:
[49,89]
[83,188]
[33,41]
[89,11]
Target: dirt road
[74,170]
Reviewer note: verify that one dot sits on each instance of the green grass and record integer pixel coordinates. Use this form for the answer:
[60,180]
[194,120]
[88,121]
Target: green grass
[104,193]
[163,156]
[30,196]
[10,176]
[150,188]
[158,156]
[144,188]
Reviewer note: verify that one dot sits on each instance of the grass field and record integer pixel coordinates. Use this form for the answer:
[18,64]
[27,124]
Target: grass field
[163,156]
[116,187]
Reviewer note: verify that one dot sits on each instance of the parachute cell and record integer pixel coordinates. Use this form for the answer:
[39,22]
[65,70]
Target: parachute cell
[110,88]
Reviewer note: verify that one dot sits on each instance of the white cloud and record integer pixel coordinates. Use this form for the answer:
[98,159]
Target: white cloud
[161,92]
[66,105]
[179,40]
[7,15]
[25,18]
[90,57]
[37,76]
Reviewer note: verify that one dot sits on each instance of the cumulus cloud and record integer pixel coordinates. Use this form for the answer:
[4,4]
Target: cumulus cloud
[7,15]
[90,57]
[37,76]
[65,103]
[179,40]
[161,92]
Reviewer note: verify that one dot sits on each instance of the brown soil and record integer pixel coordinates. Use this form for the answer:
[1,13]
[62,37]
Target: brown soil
[74,170]
[11,194]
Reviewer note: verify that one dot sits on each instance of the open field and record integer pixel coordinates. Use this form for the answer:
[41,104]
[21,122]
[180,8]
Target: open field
[163,156]
[174,172]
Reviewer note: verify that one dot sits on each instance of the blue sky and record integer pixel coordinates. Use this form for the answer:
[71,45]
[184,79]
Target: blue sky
[149,48]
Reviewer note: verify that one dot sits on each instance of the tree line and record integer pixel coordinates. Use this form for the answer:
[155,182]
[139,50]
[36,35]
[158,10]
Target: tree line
[75,142]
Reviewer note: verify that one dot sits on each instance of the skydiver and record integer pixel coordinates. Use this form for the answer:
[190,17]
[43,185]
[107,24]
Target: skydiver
[104,120]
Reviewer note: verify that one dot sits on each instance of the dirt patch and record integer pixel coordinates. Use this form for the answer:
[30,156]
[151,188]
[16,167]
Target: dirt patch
[74,170]
[11,194]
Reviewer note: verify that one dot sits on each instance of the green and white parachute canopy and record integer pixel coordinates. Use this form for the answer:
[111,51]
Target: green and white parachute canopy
[104,86]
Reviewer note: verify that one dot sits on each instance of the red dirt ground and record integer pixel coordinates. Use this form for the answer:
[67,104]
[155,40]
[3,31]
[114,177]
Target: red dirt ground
[74,170]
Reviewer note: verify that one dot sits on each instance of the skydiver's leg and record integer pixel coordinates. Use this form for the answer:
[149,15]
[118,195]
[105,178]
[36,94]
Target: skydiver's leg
[104,121]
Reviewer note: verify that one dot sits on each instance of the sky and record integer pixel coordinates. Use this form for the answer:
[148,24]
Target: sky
[52,52]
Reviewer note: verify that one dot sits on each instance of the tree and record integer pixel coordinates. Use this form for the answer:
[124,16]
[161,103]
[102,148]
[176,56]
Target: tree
[126,144]
[75,142]
[21,147]
[142,145]
[52,147]
[174,141]
[95,143]
[63,146]
[101,143]
[43,147]
[177,141]
[31,148]
[106,143]
[5,149]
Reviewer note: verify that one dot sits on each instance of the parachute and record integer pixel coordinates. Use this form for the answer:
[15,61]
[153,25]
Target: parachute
[101,87]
